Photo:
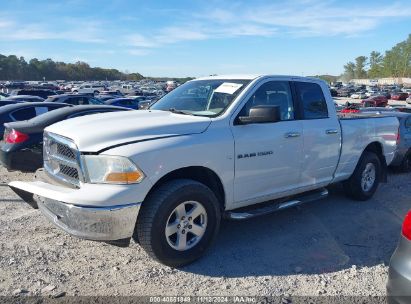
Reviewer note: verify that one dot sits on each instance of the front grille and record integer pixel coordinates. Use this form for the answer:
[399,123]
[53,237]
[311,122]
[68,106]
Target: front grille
[69,171]
[62,159]
[65,151]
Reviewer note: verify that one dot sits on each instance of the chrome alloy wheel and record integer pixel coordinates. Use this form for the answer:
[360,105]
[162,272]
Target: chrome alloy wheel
[368,177]
[186,225]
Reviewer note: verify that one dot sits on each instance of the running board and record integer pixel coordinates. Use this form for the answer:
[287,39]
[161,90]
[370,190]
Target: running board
[276,205]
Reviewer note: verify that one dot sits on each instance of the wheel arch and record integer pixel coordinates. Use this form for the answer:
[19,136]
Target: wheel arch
[200,174]
[377,148]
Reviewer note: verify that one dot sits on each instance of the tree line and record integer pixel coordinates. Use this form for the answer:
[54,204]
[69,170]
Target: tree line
[396,62]
[17,68]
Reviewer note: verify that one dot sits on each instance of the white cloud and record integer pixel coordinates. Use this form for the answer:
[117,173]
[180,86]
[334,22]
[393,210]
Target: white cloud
[215,20]
[295,18]
[175,34]
[138,40]
[138,52]
[323,18]
[77,31]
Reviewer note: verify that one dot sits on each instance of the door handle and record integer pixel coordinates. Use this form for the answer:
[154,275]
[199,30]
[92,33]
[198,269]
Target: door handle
[292,135]
[331,131]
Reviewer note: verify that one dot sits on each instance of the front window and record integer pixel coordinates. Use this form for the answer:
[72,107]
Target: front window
[202,97]
[272,93]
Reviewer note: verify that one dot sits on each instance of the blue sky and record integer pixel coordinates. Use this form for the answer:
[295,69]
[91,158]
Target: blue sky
[197,38]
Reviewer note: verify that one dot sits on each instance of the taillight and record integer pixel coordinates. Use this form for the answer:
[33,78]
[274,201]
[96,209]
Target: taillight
[406,226]
[398,137]
[15,137]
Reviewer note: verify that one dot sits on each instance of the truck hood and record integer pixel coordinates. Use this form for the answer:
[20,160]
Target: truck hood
[93,133]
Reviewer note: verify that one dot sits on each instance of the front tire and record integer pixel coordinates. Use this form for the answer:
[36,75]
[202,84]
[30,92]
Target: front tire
[364,181]
[178,222]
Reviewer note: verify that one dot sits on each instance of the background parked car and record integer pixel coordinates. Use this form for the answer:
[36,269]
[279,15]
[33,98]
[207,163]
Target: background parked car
[399,96]
[43,93]
[387,94]
[407,90]
[345,92]
[131,103]
[75,99]
[24,111]
[333,92]
[9,102]
[111,93]
[375,101]
[145,104]
[3,95]
[103,98]
[89,88]
[402,159]
[399,272]
[358,95]
[22,145]
[27,98]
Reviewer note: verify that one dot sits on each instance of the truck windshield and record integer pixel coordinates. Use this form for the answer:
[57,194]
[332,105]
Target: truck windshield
[202,97]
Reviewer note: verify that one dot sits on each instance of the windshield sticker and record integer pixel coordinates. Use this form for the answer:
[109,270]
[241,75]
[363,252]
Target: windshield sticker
[228,88]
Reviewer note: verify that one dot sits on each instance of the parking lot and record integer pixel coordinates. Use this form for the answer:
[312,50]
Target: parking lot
[331,247]
[393,103]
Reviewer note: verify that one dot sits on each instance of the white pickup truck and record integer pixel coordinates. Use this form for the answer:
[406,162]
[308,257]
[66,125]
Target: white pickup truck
[215,147]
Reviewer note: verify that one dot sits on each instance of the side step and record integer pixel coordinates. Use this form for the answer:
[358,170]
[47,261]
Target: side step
[276,205]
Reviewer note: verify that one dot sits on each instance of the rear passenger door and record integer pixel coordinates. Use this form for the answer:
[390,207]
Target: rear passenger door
[322,135]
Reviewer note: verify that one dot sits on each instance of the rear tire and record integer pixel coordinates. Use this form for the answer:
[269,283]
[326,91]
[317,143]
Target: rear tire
[363,183]
[165,229]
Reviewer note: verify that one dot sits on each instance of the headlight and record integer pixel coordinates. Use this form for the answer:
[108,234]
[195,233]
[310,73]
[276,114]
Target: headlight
[104,169]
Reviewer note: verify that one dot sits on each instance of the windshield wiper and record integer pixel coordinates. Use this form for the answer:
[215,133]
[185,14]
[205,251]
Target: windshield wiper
[173,110]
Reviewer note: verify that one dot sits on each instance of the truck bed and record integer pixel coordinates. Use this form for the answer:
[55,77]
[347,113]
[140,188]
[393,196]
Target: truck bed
[358,130]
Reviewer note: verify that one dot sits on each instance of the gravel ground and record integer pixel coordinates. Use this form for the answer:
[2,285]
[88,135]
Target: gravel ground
[331,247]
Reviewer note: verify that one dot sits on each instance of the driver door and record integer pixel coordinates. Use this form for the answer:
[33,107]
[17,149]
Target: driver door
[268,156]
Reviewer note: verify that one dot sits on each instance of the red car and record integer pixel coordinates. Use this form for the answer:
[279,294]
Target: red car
[399,96]
[375,101]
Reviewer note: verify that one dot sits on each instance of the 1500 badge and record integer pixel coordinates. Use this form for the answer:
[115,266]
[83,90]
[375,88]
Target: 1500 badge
[248,155]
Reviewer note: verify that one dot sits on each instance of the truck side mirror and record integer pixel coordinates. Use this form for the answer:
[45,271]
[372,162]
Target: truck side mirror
[261,114]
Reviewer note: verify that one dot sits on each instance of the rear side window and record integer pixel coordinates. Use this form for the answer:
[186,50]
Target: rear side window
[72,100]
[312,100]
[41,110]
[128,102]
[52,99]
[94,101]
[24,114]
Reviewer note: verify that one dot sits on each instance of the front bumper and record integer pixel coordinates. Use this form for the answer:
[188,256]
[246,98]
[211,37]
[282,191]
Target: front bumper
[93,212]
[399,274]
[100,224]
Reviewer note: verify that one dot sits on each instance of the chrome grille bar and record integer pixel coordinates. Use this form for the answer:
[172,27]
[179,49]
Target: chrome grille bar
[62,159]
